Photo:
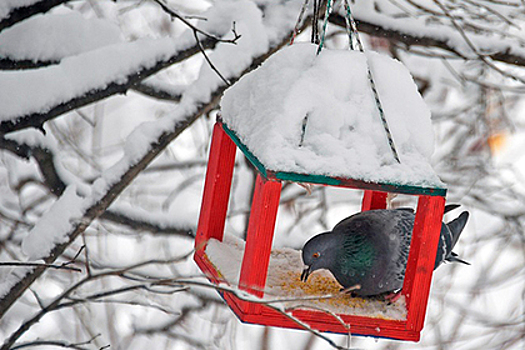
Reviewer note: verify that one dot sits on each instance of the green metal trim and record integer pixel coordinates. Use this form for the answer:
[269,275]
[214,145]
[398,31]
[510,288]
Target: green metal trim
[328,180]
[353,183]
[317,179]
[253,159]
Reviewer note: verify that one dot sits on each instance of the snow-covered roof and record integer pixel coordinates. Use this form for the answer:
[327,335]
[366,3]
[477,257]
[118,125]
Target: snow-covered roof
[316,114]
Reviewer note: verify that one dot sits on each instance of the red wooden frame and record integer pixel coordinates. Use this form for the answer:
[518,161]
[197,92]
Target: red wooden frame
[259,238]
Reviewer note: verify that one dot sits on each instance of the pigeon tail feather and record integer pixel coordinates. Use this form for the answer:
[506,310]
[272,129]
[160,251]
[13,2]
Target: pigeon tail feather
[454,258]
[450,207]
[456,227]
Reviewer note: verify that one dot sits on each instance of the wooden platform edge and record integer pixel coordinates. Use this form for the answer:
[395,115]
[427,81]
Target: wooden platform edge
[321,321]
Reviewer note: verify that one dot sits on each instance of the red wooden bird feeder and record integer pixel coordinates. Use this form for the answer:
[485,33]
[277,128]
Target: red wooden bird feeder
[261,230]
[329,122]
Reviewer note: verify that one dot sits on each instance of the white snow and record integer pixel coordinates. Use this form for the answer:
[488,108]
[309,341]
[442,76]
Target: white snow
[36,91]
[49,37]
[283,282]
[50,229]
[10,277]
[344,135]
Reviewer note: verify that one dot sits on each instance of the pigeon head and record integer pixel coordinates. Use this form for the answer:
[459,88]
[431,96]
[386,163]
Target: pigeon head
[316,254]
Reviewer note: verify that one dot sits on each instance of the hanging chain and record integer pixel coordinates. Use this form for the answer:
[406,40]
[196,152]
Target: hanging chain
[351,28]
[354,34]
[323,33]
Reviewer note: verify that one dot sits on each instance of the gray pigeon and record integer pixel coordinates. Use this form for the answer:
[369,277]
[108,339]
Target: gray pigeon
[370,249]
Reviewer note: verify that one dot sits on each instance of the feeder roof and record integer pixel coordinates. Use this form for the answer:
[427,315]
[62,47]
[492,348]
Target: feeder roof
[304,113]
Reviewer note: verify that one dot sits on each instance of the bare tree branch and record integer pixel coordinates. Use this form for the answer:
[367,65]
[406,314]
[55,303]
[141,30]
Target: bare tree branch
[59,343]
[58,303]
[196,30]
[32,264]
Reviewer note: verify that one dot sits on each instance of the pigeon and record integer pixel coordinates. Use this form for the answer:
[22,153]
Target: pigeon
[370,249]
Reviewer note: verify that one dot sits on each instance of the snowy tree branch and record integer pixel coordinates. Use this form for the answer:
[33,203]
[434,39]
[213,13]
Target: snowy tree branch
[124,179]
[11,64]
[408,39]
[143,225]
[157,92]
[36,120]
[196,30]
[18,14]
[45,159]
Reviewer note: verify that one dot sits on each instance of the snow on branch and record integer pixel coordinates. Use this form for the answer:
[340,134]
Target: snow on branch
[56,181]
[143,146]
[14,11]
[159,91]
[16,64]
[113,69]
[416,32]
[43,40]
[158,226]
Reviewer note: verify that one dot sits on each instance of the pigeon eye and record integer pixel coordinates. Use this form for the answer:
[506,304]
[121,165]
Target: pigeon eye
[316,255]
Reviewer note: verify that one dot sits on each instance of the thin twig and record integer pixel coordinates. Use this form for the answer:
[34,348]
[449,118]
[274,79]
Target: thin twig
[473,47]
[56,304]
[330,313]
[35,264]
[58,343]
[86,254]
[197,31]
[245,296]
[172,13]
[74,259]
[212,66]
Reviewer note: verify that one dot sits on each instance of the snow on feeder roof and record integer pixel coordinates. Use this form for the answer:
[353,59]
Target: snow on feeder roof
[315,114]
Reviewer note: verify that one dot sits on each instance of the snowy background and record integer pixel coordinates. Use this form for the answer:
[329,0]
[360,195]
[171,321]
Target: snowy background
[105,121]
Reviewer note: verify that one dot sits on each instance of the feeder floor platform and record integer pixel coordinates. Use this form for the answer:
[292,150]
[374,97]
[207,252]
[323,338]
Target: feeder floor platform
[283,283]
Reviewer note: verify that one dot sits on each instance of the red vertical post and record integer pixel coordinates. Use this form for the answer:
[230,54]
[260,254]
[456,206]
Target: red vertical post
[373,200]
[421,258]
[217,188]
[254,269]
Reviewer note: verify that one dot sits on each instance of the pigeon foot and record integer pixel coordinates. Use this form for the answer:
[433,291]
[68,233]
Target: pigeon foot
[393,297]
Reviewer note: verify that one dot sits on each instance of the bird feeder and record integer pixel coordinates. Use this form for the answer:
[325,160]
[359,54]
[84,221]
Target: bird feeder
[237,130]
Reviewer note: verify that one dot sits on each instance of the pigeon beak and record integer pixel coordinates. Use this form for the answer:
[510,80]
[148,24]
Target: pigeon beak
[305,274]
